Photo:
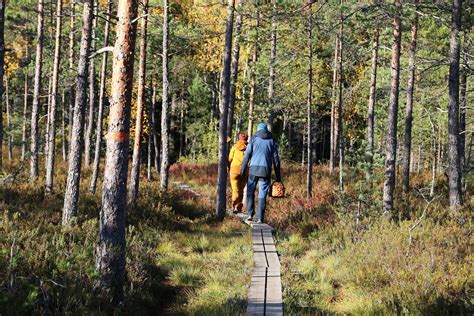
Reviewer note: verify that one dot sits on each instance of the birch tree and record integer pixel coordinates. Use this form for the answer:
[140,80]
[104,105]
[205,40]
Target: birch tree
[164,107]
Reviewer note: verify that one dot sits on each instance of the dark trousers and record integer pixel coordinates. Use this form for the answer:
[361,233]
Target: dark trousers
[263,188]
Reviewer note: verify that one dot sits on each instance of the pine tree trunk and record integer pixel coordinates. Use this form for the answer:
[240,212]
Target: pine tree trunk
[35,107]
[8,110]
[234,67]
[462,114]
[253,74]
[63,126]
[332,134]
[339,106]
[154,122]
[164,106]
[54,96]
[100,111]
[309,173]
[111,250]
[46,126]
[224,108]
[271,80]
[409,106]
[372,100]
[25,117]
[90,112]
[72,41]
[391,133]
[149,174]
[135,174]
[454,168]
[71,196]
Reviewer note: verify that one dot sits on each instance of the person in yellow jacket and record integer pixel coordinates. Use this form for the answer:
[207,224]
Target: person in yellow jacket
[237,182]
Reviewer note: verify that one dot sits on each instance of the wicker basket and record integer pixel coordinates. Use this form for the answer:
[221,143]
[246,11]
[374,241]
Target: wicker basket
[277,190]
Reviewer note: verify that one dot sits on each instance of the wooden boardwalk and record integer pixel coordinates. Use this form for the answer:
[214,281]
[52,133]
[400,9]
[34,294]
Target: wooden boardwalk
[265,294]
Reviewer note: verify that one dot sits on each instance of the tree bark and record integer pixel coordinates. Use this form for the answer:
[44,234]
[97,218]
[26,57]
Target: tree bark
[462,114]
[164,106]
[409,106]
[49,184]
[309,173]
[391,133]
[234,67]
[154,122]
[253,72]
[100,110]
[332,134]
[71,196]
[25,117]
[2,67]
[36,95]
[372,100]
[63,126]
[271,80]
[137,143]
[92,86]
[454,168]
[72,40]
[111,250]
[340,136]
[224,108]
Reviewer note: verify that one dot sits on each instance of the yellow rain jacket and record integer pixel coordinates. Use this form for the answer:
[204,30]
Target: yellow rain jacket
[236,156]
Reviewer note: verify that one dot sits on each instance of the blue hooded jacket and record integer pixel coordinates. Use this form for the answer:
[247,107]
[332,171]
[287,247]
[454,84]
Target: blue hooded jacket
[261,153]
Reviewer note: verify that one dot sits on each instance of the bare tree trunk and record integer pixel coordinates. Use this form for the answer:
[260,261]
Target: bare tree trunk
[234,68]
[46,126]
[409,107]
[271,80]
[372,100]
[90,112]
[332,135]
[224,108]
[36,94]
[454,169]
[309,172]
[71,196]
[253,72]
[340,136]
[462,115]
[8,110]
[25,117]
[391,134]
[149,174]
[63,126]
[111,249]
[71,33]
[154,122]
[100,111]
[135,175]
[164,106]
[54,96]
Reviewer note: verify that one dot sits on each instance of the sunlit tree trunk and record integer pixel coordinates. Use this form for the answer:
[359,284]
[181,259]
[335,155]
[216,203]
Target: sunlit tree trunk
[391,133]
[309,172]
[462,114]
[135,174]
[164,107]
[25,117]
[154,122]
[92,87]
[71,196]
[224,108]
[271,80]
[253,72]
[46,126]
[63,126]
[111,249]
[372,100]
[8,112]
[409,106]
[50,157]
[234,68]
[454,168]
[100,110]
[72,41]
[35,107]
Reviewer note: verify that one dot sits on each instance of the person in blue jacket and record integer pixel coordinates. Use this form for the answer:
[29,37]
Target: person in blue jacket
[260,155]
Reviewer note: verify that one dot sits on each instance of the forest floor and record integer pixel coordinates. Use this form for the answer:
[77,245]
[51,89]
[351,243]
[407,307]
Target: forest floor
[339,254]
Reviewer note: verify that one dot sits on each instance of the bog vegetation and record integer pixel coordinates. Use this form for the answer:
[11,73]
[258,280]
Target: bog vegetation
[106,105]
